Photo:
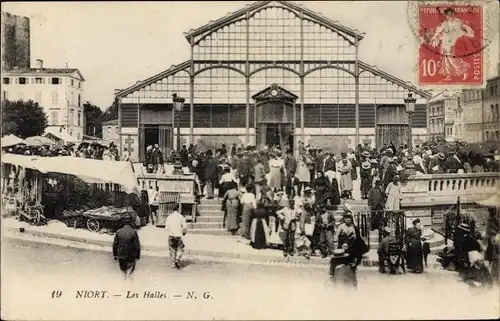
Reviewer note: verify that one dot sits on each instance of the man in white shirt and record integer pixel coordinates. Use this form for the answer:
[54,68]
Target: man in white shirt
[176,227]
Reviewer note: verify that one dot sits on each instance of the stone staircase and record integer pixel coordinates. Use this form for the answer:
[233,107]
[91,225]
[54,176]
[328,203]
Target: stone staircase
[210,221]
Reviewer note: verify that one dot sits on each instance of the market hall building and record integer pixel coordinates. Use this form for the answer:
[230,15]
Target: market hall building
[271,72]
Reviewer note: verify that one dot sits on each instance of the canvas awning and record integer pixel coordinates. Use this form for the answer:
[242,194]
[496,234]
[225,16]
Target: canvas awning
[63,136]
[11,140]
[89,170]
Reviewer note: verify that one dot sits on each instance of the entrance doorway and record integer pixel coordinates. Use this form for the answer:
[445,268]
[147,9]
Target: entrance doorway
[151,134]
[280,135]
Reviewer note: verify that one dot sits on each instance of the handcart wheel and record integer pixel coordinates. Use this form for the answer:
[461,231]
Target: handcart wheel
[35,215]
[93,225]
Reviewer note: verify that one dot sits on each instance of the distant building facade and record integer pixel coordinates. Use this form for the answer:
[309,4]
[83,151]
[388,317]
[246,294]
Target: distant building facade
[436,115]
[481,112]
[59,91]
[15,41]
[110,132]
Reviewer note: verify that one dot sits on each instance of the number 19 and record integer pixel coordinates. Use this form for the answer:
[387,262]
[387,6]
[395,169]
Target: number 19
[56,294]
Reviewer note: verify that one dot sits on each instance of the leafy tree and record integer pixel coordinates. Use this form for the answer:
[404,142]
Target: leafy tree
[23,118]
[111,113]
[93,119]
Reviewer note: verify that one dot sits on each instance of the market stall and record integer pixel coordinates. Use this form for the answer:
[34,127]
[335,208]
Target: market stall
[76,185]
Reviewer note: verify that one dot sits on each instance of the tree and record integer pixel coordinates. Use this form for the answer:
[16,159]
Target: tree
[111,113]
[93,119]
[23,118]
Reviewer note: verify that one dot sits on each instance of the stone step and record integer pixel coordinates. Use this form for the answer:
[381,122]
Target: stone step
[206,225]
[210,219]
[204,207]
[209,231]
[211,212]
[212,201]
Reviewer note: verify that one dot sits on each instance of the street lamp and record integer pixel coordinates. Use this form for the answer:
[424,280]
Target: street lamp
[410,108]
[178,106]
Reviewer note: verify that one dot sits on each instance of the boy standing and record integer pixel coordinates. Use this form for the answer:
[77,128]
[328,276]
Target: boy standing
[176,227]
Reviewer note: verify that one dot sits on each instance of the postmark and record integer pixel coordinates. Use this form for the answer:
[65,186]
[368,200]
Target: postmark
[453,42]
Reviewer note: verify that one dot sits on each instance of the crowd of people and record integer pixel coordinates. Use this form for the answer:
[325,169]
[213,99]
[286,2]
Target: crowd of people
[91,150]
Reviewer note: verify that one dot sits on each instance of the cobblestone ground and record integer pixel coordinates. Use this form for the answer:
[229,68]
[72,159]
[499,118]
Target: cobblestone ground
[32,271]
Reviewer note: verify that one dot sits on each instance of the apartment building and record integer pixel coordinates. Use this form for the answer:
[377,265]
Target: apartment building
[59,91]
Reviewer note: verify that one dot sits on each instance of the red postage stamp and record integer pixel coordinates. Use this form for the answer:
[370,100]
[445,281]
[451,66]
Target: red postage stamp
[451,47]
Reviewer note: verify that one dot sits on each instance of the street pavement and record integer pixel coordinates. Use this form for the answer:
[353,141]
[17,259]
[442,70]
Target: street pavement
[32,271]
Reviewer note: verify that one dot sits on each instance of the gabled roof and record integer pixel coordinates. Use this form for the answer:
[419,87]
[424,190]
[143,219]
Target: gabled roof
[394,79]
[44,71]
[229,18]
[280,93]
[151,80]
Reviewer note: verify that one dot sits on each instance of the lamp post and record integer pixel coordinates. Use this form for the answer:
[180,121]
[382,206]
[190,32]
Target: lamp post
[178,105]
[410,108]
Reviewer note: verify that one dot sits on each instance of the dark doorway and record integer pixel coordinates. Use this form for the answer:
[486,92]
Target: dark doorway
[151,135]
[276,135]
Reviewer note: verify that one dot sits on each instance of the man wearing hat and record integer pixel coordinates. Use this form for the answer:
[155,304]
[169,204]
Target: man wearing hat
[288,219]
[210,174]
[436,164]
[126,247]
[244,168]
[366,175]
[383,248]
[376,202]
[413,240]
[157,159]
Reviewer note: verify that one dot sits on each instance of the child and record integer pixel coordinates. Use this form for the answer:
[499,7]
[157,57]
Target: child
[288,220]
[176,227]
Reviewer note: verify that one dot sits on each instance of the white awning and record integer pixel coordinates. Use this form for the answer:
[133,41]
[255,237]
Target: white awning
[89,170]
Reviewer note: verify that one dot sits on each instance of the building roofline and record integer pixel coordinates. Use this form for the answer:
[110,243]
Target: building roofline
[35,71]
[405,84]
[151,80]
[230,17]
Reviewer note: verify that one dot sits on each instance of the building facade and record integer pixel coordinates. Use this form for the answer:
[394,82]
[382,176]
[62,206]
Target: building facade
[14,41]
[491,102]
[110,132]
[271,73]
[482,112]
[59,91]
[436,115]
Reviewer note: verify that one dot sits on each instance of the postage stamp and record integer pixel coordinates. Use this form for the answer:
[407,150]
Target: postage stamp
[451,47]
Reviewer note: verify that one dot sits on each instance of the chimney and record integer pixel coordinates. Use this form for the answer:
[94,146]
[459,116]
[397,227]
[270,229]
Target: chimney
[39,64]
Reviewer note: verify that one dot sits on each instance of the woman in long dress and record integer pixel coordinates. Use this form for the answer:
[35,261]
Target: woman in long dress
[248,204]
[414,253]
[345,179]
[393,192]
[259,231]
[231,205]
[303,175]
[276,167]
[323,188]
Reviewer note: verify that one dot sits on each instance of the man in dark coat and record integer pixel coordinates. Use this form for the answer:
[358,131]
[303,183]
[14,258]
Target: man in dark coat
[184,156]
[244,169]
[452,164]
[157,158]
[210,173]
[329,163]
[290,163]
[126,247]
[234,150]
[376,202]
[319,161]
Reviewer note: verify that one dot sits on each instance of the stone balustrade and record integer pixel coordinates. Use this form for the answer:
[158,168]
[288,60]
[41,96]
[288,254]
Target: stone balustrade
[430,197]
[442,189]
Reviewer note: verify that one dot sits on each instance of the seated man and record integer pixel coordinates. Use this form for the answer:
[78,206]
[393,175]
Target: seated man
[383,248]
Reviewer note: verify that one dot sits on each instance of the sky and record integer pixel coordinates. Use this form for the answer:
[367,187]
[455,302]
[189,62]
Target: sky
[116,44]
